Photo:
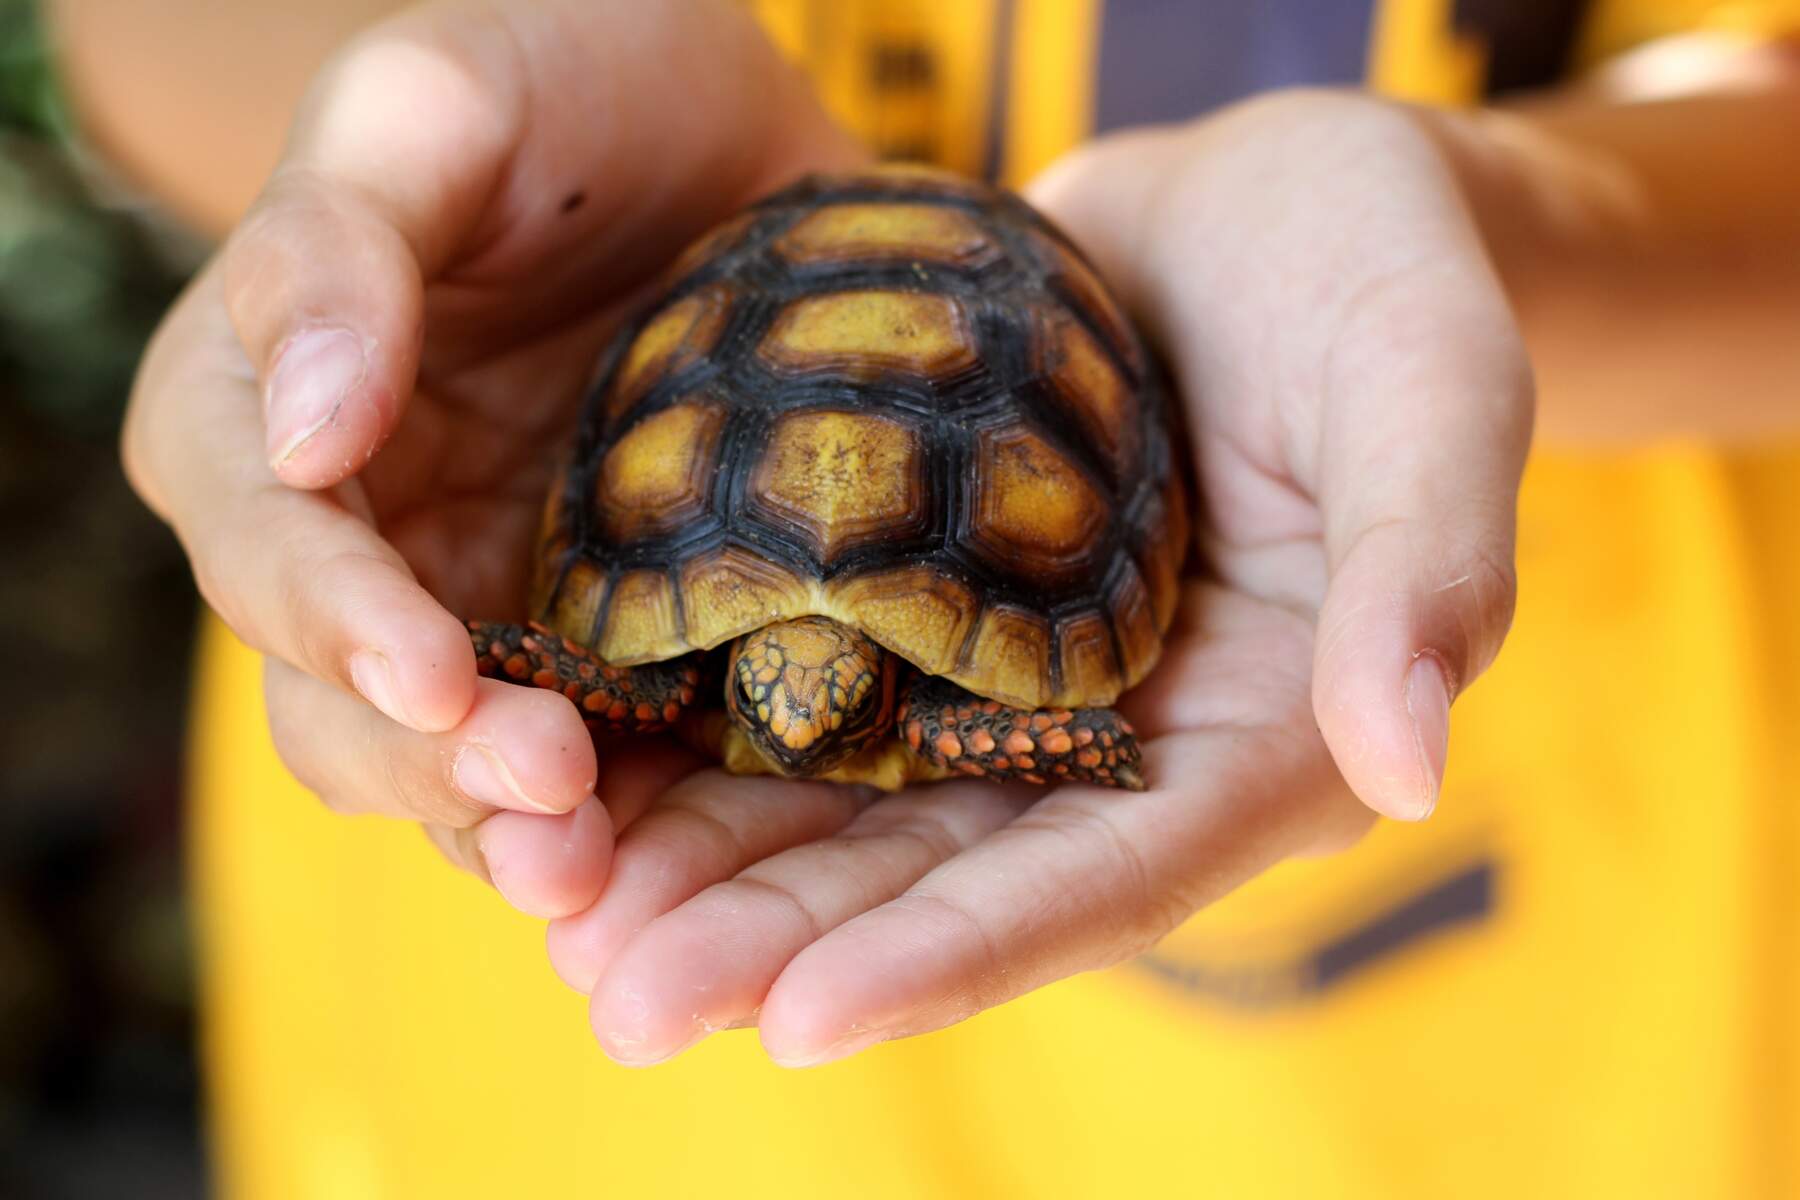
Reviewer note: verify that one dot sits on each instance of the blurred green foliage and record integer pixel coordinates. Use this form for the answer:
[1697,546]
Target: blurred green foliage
[82,281]
[98,1094]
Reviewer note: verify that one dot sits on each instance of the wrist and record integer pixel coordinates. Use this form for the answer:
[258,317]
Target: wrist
[1541,204]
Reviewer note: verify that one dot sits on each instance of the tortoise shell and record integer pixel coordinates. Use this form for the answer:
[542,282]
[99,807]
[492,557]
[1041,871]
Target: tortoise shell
[898,399]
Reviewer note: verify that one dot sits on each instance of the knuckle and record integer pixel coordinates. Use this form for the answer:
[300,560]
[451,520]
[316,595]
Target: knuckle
[1485,593]
[315,590]
[772,890]
[705,835]
[1148,911]
[427,793]
[990,981]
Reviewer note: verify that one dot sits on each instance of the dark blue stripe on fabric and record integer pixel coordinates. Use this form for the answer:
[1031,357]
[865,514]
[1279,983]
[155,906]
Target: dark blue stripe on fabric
[1167,60]
[1460,900]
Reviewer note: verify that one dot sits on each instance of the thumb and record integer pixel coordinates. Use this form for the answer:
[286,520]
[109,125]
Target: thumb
[554,153]
[1419,463]
[323,277]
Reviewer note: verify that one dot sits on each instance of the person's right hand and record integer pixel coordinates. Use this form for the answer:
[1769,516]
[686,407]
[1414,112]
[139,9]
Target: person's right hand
[471,195]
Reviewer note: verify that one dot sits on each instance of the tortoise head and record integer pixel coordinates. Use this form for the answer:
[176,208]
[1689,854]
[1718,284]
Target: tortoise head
[810,693]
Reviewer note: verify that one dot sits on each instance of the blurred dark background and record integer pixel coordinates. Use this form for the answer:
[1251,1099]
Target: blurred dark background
[98,1085]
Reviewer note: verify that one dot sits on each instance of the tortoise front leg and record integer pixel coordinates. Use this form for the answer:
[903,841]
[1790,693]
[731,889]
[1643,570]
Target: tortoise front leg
[949,726]
[641,699]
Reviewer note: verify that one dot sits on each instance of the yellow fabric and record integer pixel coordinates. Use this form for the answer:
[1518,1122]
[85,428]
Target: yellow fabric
[1623,1018]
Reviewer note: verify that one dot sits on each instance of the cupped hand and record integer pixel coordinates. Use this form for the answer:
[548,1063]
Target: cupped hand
[349,417]
[1360,408]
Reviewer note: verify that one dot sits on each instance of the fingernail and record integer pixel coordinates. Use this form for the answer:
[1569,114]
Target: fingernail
[1428,703]
[373,677]
[844,1047]
[628,1052]
[483,776]
[627,1044]
[527,855]
[315,372]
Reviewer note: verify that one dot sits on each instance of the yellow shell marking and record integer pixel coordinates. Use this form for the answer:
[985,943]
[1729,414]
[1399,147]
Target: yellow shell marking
[847,232]
[1036,501]
[845,477]
[640,617]
[1094,388]
[655,476]
[864,333]
[674,337]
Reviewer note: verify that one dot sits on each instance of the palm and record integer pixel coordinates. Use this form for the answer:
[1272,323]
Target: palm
[790,906]
[459,489]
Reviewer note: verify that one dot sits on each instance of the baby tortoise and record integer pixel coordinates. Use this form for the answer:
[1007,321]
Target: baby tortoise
[887,440]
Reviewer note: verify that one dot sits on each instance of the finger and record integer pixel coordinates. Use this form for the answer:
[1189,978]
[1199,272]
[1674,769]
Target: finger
[1420,449]
[1086,879]
[1399,407]
[706,829]
[708,964]
[295,575]
[569,149]
[521,749]
[543,864]
[636,771]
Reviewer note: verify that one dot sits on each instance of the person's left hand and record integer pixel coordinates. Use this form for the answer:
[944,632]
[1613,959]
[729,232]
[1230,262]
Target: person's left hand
[1360,406]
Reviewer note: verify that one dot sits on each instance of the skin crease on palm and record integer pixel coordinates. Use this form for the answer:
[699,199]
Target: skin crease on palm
[427,297]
